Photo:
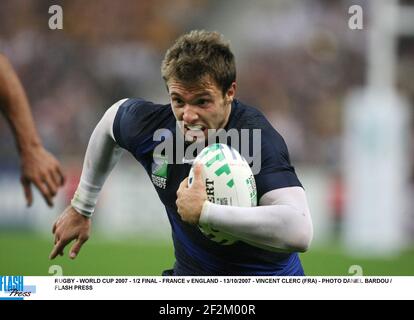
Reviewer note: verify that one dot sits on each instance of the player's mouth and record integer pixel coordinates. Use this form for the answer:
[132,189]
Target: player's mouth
[194,132]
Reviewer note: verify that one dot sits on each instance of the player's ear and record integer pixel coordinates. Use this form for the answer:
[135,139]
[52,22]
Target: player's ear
[231,92]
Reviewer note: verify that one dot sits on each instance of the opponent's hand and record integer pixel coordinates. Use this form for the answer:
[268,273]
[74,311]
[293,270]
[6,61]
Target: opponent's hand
[70,225]
[43,170]
[190,200]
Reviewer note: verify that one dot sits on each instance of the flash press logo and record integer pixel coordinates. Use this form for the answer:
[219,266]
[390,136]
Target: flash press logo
[13,288]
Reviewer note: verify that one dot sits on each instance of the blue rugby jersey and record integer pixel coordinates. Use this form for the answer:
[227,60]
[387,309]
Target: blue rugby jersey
[134,127]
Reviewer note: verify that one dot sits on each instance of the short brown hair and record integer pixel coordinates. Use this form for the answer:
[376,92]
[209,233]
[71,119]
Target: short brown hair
[197,54]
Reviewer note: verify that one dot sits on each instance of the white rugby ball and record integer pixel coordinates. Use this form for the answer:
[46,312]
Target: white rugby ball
[228,180]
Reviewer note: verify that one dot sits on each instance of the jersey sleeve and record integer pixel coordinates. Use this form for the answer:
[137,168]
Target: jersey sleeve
[134,125]
[276,170]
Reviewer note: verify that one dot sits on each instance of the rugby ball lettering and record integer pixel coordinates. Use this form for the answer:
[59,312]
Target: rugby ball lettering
[228,180]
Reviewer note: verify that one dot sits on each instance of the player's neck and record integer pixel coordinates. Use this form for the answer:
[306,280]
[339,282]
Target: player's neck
[227,117]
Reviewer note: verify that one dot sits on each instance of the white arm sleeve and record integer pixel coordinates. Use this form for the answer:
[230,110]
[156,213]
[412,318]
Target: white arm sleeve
[101,156]
[281,222]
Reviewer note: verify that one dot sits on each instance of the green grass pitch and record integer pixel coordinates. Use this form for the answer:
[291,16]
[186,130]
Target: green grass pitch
[24,253]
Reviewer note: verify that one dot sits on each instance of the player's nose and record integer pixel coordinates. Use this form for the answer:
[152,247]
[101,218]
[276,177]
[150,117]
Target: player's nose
[189,115]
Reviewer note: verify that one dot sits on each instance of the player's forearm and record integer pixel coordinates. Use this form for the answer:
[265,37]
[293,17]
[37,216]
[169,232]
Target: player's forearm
[282,225]
[101,156]
[14,105]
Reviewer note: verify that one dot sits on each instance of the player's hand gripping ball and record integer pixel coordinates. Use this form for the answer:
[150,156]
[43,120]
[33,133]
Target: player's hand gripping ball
[228,180]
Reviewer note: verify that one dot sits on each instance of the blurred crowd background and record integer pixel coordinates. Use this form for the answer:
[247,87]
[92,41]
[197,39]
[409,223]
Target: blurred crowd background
[296,61]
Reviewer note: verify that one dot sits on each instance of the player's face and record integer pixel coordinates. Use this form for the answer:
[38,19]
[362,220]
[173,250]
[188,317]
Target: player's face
[200,107]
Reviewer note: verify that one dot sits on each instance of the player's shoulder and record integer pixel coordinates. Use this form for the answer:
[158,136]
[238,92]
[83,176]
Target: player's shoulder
[139,111]
[139,106]
[138,118]
[248,117]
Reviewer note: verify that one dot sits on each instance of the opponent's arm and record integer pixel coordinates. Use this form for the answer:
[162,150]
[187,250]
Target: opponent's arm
[37,165]
[101,156]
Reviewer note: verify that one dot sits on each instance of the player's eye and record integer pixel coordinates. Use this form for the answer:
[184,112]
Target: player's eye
[177,102]
[202,102]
